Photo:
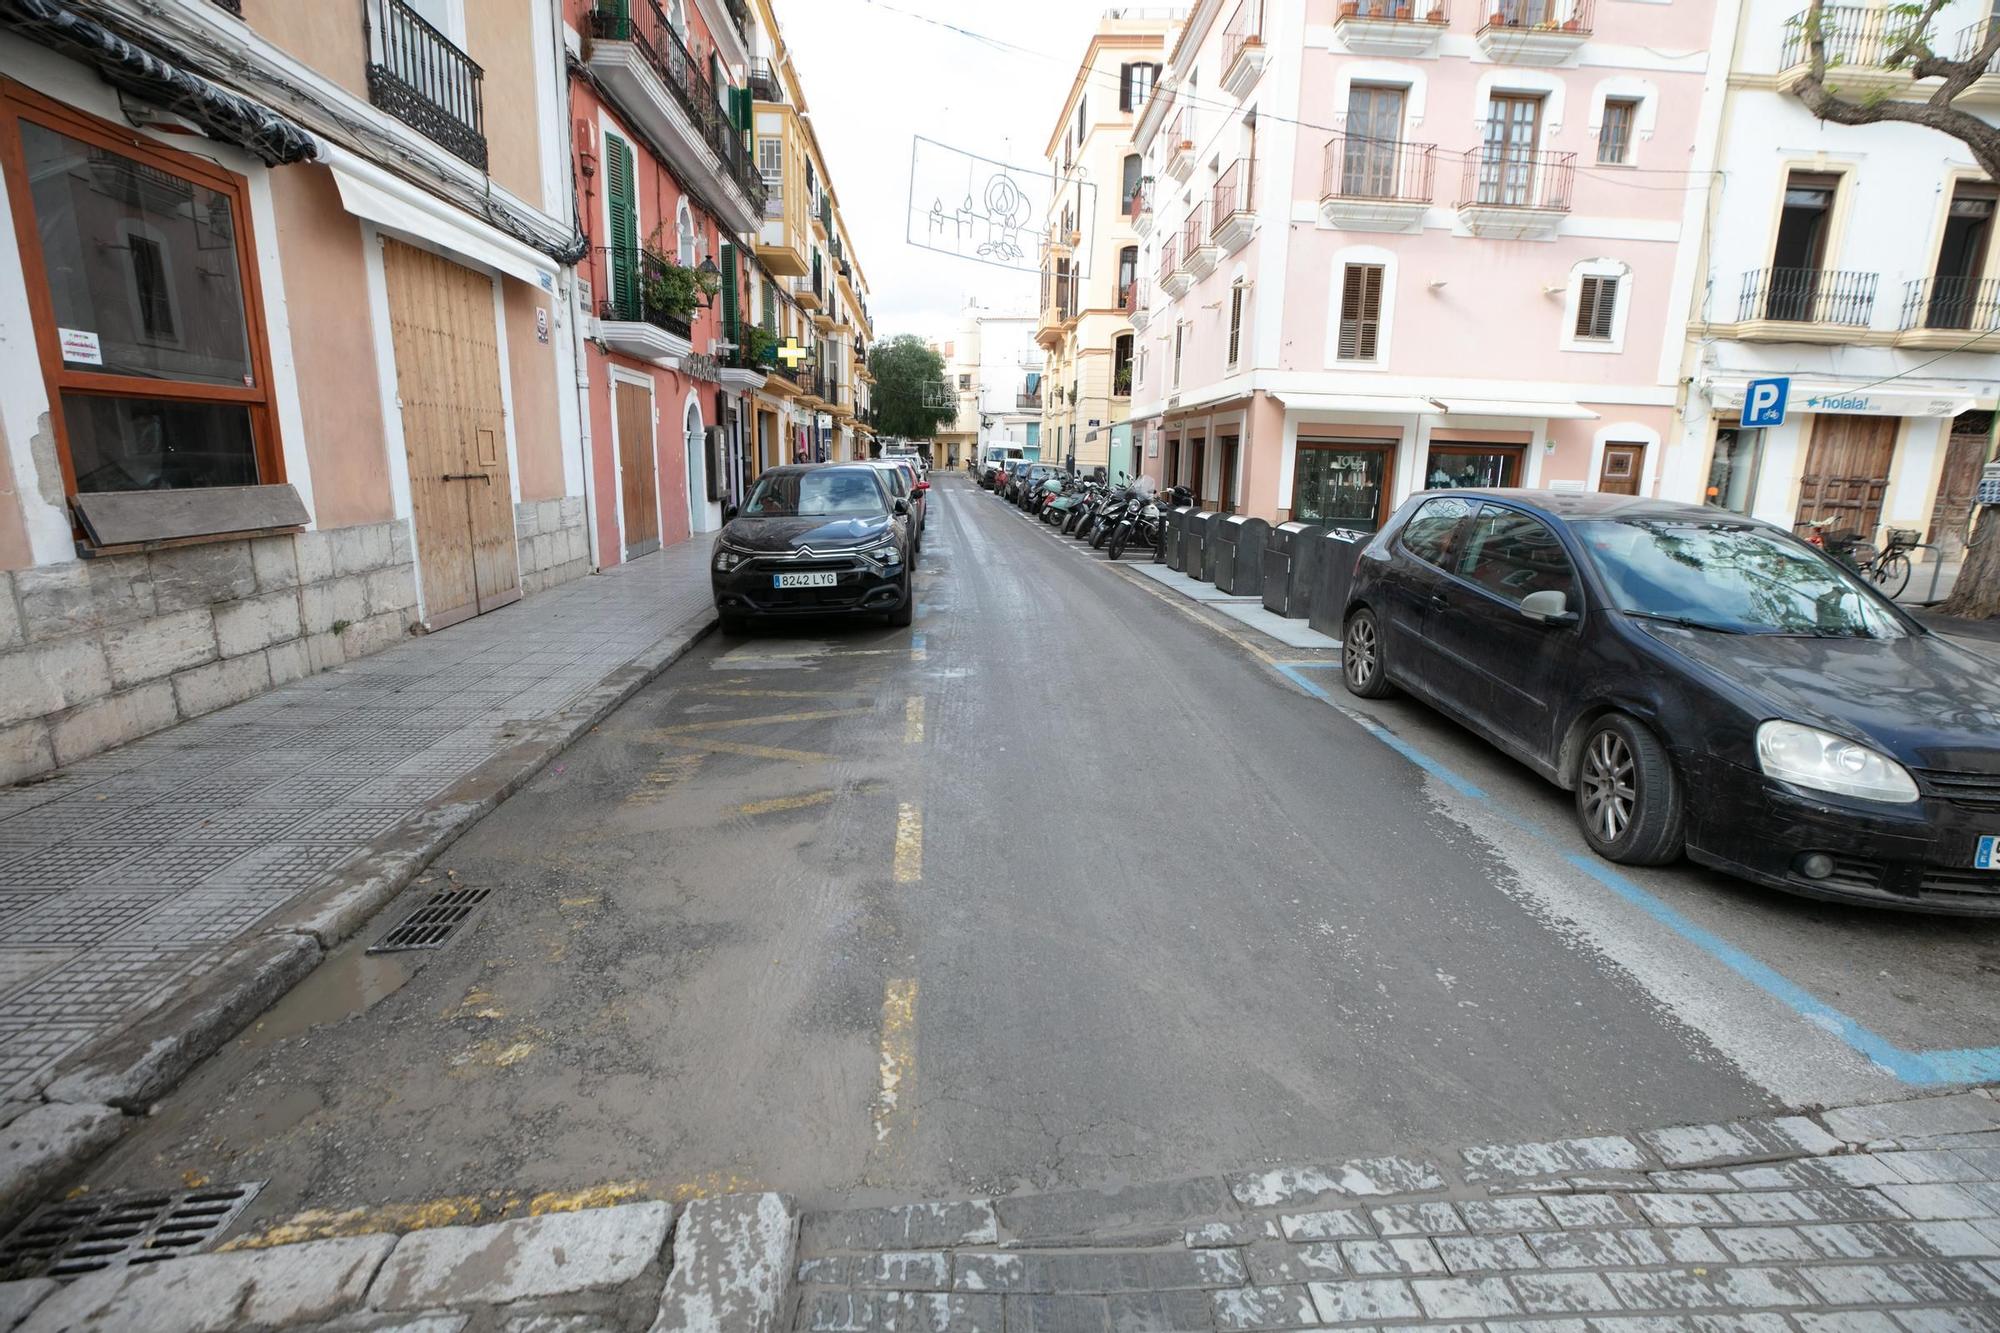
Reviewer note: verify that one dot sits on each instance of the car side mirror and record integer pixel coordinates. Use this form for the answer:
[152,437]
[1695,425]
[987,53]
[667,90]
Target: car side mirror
[1549,606]
[923,485]
[729,513]
[901,507]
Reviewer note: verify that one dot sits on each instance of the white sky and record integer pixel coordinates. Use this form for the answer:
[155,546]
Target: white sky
[875,76]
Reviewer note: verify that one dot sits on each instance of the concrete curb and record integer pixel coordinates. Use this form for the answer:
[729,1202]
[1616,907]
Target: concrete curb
[136,1065]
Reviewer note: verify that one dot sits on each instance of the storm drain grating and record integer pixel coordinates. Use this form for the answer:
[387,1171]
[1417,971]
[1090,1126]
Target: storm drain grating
[432,924]
[82,1236]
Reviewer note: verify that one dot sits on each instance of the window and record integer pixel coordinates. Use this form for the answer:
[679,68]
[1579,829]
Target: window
[152,343]
[1513,140]
[1732,469]
[1614,135]
[1128,271]
[1180,329]
[684,236]
[1428,534]
[1510,555]
[677,18]
[1121,366]
[1595,305]
[1129,185]
[1082,118]
[1464,466]
[965,381]
[1235,324]
[1340,484]
[1135,85]
[1360,312]
[1371,152]
[1959,296]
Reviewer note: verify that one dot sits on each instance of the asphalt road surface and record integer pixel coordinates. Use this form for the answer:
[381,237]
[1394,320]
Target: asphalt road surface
[1070,883]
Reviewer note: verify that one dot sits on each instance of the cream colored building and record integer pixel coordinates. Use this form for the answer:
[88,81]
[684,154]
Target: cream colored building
[1090,255]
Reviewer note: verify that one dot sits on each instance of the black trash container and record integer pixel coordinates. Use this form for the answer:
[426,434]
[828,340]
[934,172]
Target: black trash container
[1223,531]
[1338,550]
[1173,531]
[1291,555]
[1200,559]
[1246,571]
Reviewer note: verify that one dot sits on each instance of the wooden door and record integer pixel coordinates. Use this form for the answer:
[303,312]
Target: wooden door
[1622,467]
[445,331]
[1227,500]
[638,480]
[1198,474]
[1964,457]
[1368,167]
[1513,136]
[1847,473]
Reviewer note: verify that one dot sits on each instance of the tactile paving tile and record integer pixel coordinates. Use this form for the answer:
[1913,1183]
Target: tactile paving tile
[100,985]
[30,1047]
[282,868]
[63,865]
[204,916]
[55,821]
[82,916]
[349,824]
[247,825]
[313,788]
[170,865]
[403,789]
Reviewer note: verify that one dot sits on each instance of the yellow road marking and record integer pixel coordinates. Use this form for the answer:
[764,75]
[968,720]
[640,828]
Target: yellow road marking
[781,694]
[913,720]
[898,1064]
[909,844]
[576,1201]
[668,775]
[753,751]
[772,807]
[774,720]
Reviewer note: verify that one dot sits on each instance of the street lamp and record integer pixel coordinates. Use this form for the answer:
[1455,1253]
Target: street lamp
[709,270]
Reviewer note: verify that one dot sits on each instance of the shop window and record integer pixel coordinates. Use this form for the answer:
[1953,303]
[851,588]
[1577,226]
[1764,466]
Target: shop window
[1732,469]
[141,278]
[1360,312]
[1461,466]
[1596,304]
[1340,484]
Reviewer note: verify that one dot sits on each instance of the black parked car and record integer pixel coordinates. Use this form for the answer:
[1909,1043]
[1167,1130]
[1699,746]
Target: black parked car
[815,539]
[1703,682]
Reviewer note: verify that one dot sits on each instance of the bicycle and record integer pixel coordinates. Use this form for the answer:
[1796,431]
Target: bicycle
[1887,567]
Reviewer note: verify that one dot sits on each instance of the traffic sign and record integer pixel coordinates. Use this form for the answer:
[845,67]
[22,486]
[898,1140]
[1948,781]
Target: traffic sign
[1764,401]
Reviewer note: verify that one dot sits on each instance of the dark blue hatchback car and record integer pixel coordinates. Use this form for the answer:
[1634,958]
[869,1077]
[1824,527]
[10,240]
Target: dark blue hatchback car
[1705,683]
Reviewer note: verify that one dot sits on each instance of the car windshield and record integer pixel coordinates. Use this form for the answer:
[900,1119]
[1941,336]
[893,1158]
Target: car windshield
[815,494]
[1730,576]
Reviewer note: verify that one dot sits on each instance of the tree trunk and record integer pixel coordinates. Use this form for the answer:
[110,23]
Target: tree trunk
[1976,595]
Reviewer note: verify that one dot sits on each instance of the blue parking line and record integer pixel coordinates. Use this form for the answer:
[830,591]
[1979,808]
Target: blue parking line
[1918,1068]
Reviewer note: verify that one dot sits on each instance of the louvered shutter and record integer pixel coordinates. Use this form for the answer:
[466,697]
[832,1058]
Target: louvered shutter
[1360,312]
[1235,325]
[732,324]
[1595,304]
[618,189]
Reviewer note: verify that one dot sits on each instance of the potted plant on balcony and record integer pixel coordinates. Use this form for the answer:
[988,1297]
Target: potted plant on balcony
[1121,382]
[668,289]
[1436,15]
[760,347]
[1349,8]
[1402,13]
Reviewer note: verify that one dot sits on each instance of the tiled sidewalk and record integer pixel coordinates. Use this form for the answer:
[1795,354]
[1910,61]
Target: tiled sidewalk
[133,870]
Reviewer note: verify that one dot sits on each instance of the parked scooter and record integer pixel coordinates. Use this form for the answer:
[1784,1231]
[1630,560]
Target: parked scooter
[1140,519]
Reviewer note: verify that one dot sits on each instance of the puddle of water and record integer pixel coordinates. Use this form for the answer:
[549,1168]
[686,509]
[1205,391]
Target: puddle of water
[342,988]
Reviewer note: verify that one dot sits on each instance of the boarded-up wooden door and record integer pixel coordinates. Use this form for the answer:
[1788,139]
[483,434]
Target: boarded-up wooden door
[442,319]
[1847,472]
[1964,456]
[638,470]
[1619,474]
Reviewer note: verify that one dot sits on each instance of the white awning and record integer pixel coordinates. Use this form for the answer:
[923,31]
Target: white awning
[1354,402]
[369,192]
[1493,407]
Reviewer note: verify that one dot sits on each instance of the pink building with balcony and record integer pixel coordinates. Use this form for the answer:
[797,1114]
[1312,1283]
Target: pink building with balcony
[1399,244]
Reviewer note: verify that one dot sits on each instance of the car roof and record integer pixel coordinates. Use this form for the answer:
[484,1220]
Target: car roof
[1591,504]
[788,469]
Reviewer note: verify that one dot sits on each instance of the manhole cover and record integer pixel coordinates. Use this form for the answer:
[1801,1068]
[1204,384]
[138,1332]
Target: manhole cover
[432,924]
[79,1236]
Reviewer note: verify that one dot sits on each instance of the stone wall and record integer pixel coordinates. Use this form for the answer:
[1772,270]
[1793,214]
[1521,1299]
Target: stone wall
[94,653]
[554,545]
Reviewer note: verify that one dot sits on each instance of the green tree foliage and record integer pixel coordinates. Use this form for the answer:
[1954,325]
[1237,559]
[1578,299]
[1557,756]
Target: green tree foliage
[910,389]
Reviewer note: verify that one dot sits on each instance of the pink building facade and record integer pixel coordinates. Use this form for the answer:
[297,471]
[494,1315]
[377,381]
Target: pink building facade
[1399,244]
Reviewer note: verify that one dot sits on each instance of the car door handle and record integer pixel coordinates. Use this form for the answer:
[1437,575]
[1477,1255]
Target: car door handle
[1439,600]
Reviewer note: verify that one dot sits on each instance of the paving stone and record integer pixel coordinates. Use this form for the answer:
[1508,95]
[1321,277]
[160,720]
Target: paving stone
[1160,1312]
[1507,1215]
[1739,1141]
[1148,1210]
[1416,1219]
[1273,1263]
[1754,1288]
[1263,1307]
[1949,1320]
[1332,1224]
[902,1227]
[1588,1210]
[1605,1153]
[1948,1282]
[731,1264]
[1932,1202]
[1951,1240]
[1858,1169]
[1764,1244]
[1739,1321]
[1057,1314]
[17,1299]
[1858,1240]
[1768,1206]
[1706,1182]
[1857,1284]
[1662,1289]
[1364,1299]
[40,1147]
[1683,1209]
[1221,1235]
[1923,1118]
[905,1270]
[1365,1176]
[831,1270]
[1478,1254]
[1402,1254]
[1595,1249]
[1561,1293]
[901,1312]
[1690,1245]
[1846,1321]
[989,1272]
[1464,1298]
[556,1255]
[284,1285]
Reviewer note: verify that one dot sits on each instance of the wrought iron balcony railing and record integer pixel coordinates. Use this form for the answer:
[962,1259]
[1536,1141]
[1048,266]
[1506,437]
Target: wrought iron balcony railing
[1545,15]
[1434,12]
[1246,26]
[419,76]
[1809,296]
[1231,195]
[1507,178]
[1854,36]
[1140,200]
[631,279]
[1972,304]
[765,85]
[1358,167]
[1169,258]
[1193,235]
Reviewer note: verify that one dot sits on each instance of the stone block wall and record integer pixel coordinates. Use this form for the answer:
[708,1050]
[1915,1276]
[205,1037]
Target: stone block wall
[94,653]
[554,545]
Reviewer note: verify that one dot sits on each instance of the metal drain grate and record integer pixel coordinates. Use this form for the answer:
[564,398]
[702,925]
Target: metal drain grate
[80,1236]
[432,924]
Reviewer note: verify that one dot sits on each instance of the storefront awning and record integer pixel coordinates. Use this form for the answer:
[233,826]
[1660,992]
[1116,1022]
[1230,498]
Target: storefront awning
[1354,402]
[1863,398]
[369,192]
[1494,407]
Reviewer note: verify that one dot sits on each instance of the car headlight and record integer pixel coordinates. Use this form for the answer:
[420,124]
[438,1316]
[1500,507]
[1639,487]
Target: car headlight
[888,551]
[1825,762]
[727,559]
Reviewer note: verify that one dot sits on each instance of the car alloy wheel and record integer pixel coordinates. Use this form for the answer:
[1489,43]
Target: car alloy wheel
[1361,664]
[1609,791]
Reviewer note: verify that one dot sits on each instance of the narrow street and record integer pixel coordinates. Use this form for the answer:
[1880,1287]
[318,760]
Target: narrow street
[1061,886]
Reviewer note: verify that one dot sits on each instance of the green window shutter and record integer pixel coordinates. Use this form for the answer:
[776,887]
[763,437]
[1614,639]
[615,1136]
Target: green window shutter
[770,308]
[732,328]
[618,189]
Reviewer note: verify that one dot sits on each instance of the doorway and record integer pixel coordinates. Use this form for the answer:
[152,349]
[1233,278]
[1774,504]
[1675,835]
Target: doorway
[1198,471]
[1231,449]
[445,332]
[1800,251]
[1956,296]
[1513,137]
[638,471]
[1847,473]
[1368,163]
[1623,465]
[1964,456]
[697,471]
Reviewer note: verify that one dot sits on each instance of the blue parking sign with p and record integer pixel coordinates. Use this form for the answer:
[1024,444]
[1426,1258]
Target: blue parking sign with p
[1764,401]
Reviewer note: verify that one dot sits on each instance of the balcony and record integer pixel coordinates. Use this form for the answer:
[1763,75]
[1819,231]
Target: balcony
[1139,208]
[1534,32]
[632,319]
[1174,278]
[1377,184]
[1804,305]
[1392,27]
[823,216]
[1180,145]
[765,85]
[1134,303]
[417,75]
[1243,50]
[649,72]
[809,292]
[1950,312]
[1515,195]
[1231,209]
[1199,252]
[1058,308]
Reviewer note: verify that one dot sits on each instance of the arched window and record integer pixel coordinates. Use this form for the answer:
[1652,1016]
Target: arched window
[677,17]
[1121,366]
[685,237]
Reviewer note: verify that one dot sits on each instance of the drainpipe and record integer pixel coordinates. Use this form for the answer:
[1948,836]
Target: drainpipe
[579,348]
